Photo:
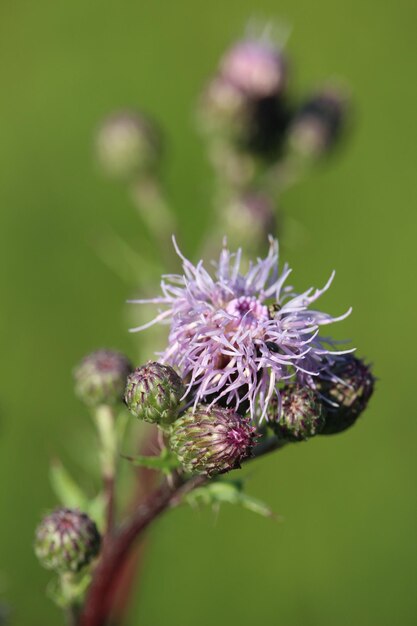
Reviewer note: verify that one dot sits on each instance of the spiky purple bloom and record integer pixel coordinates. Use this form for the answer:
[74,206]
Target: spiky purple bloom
[236,337]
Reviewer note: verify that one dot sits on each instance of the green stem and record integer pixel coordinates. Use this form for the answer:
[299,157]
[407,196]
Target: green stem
[73,614]
[105,422]
[156,214]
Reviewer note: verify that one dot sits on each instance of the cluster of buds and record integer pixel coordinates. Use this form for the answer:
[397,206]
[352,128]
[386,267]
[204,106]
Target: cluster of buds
[247,104]
[334,405]
[67,541]
[213,439]
[246,101]
[260,138]
[207,440]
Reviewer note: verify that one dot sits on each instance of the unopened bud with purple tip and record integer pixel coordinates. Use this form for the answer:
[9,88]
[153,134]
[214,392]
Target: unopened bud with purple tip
[346,395]
[211,440]
[153,393]
[300,415]
[67,540]
[101,376]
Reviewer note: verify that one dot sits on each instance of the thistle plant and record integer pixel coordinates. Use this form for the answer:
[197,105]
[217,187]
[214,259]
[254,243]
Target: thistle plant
[246,365]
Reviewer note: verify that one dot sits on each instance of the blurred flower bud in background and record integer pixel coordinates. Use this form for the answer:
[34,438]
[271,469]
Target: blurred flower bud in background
[245,103]
[256,67]
[128,145]
[101,376]
[319,122]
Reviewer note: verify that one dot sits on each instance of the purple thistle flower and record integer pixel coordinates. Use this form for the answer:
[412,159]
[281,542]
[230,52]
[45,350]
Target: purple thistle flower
[236,338]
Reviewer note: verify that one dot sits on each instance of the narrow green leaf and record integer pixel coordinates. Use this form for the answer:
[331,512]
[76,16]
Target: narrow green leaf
[166,462]
[65,487]
[231,492]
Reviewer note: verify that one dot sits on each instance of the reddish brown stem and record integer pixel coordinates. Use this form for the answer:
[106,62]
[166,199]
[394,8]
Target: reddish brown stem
[109,485]
[97,608]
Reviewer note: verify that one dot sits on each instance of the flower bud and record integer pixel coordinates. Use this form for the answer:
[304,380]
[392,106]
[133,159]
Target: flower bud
[346,395]
[255,67]
[101,376]
[318,124]
[67,540]
[153,393]
[211,440]
[300,416]
[127,145]
[224,109]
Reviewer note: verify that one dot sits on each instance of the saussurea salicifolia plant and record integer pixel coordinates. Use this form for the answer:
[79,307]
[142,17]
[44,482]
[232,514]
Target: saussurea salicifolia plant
[246,365]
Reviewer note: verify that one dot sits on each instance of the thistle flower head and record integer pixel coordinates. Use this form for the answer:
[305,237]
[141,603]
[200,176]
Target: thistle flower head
[153,393]
[211,440]
[101,376]
[235,336]
[66,540]
[300,414]
[345,390]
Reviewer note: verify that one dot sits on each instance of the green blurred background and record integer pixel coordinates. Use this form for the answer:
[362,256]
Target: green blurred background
[346,551]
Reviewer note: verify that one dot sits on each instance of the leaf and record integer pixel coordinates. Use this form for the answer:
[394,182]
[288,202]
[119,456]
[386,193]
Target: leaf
[166,462]
[65,487]
[231,492]
[96,509]
[72,496]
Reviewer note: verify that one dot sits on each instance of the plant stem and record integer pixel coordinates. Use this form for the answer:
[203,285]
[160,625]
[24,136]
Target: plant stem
[96,610]
[98,606]
[105,422]
[73,614]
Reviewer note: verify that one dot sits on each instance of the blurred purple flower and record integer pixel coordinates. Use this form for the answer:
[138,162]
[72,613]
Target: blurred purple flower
[235,337]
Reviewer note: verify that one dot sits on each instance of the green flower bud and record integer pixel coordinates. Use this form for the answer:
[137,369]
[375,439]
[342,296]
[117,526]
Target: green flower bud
[101,376]
[128,145]
[67,541]
[211,440]
[347,395]
[301,414]
[153,393]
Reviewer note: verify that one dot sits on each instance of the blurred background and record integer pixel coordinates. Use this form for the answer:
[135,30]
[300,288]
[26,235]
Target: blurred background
[346,550]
